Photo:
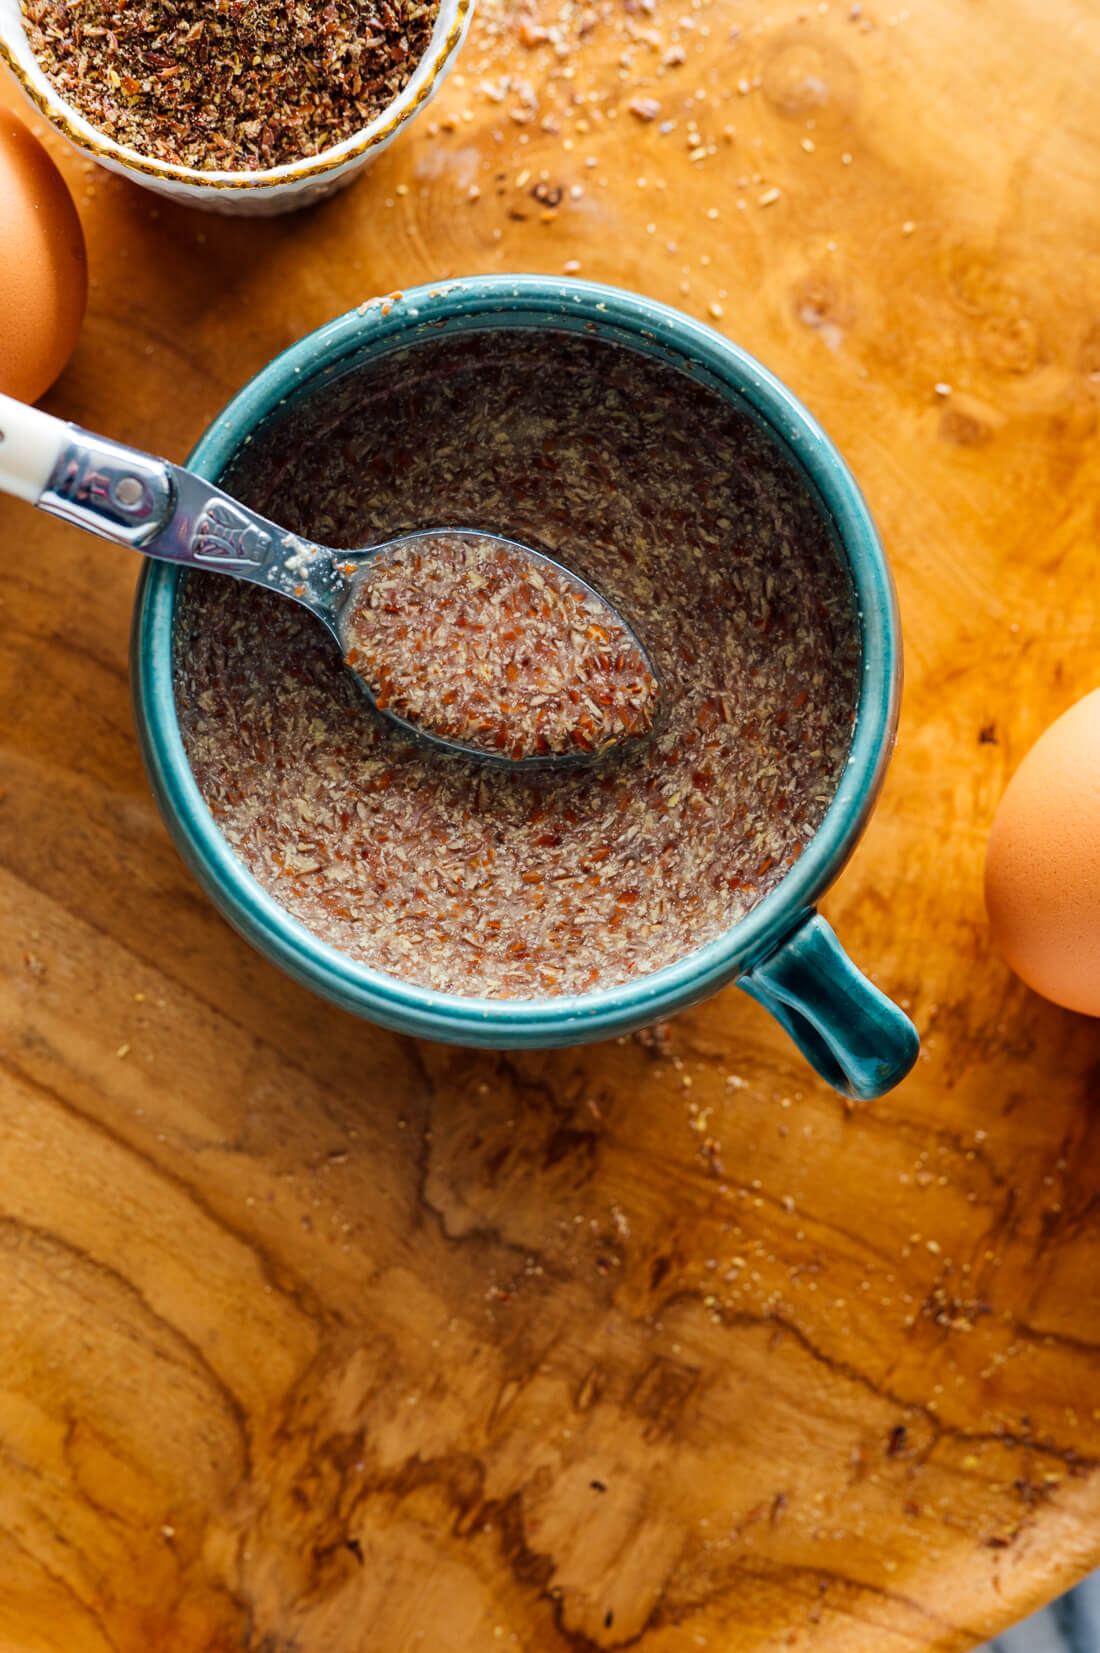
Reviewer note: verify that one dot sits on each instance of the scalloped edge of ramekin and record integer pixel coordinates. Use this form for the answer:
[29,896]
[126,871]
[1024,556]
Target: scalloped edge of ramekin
[269,190]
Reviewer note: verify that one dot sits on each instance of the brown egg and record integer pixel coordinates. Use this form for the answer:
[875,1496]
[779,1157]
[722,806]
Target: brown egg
[43,268]
[1042,871]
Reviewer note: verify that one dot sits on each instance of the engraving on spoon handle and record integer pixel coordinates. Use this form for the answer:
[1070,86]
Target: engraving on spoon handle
[167,512]
[117,492]
[152,506]
[208,529]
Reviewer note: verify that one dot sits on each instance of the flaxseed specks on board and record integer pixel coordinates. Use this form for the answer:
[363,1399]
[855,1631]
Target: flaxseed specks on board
[471,639]
[569,99]
[461,875]
[229,84]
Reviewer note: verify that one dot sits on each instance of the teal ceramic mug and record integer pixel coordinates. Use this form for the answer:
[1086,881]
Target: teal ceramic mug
[782,953]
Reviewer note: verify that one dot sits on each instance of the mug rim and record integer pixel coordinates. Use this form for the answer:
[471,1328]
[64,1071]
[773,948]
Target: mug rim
[494,301]
[436,61]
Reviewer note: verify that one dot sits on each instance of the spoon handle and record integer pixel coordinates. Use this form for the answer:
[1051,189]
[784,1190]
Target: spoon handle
[131,497]
[117,492]
[29,445]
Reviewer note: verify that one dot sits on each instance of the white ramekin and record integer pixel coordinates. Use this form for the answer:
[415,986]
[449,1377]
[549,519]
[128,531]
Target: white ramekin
[262,193]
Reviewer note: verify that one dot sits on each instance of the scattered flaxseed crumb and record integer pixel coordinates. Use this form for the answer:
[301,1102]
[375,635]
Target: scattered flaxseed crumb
[123,1050]
[644,109]
[770,196]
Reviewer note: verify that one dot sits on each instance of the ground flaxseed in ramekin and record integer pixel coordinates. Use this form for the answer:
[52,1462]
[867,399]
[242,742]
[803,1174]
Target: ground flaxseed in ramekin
[229,85]
[454,873]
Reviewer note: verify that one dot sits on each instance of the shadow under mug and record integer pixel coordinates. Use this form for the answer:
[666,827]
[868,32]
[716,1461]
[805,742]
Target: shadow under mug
[782,952]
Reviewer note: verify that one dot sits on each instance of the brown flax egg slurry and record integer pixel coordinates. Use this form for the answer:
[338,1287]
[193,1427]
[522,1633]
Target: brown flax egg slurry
[454,873]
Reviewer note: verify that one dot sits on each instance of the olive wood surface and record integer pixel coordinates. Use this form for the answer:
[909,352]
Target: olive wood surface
[317,1340]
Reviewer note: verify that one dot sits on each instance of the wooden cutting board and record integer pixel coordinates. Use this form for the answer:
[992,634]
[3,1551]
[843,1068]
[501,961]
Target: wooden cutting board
[317,1340]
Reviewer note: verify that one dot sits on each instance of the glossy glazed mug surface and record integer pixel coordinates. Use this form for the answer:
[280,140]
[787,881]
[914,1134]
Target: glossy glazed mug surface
[782,952]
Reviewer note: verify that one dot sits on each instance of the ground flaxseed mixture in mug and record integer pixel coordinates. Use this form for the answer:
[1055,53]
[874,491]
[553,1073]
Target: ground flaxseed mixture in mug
[453,873]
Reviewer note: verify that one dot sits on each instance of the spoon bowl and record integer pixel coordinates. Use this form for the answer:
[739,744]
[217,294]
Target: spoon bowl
[508,656]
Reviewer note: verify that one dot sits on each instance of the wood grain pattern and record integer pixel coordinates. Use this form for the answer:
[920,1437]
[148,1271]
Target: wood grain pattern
[316,1340]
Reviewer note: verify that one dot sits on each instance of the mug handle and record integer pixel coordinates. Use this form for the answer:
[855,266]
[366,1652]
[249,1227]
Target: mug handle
[851,1033]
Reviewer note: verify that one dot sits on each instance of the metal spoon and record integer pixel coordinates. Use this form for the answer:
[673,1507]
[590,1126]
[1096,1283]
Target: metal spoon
[167,512]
